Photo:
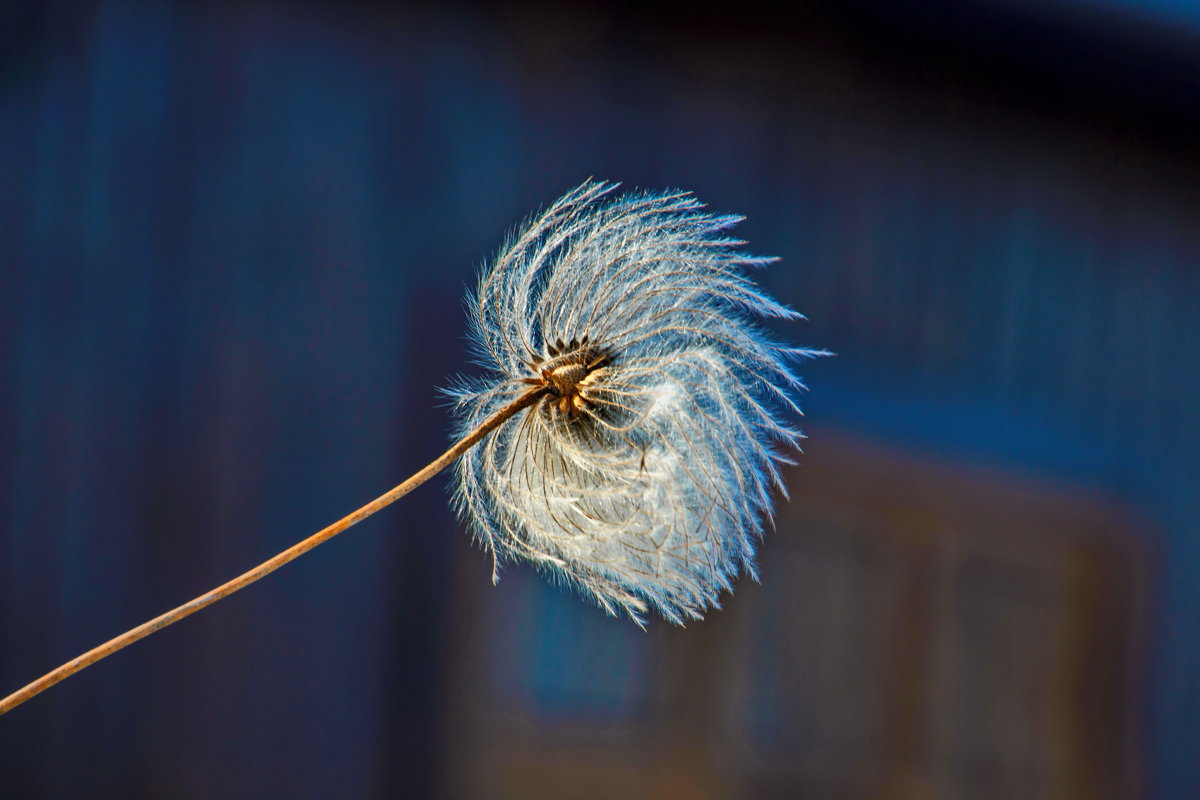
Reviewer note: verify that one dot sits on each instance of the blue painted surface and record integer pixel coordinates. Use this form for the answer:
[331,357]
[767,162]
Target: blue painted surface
[233,242]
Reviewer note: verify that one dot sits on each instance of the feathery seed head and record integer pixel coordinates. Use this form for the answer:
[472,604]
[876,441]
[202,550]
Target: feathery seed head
[644,473]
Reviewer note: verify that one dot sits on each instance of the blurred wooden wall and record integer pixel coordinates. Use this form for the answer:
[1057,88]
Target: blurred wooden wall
[921,630]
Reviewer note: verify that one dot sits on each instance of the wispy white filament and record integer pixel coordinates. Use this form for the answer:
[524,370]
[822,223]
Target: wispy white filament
[651,489]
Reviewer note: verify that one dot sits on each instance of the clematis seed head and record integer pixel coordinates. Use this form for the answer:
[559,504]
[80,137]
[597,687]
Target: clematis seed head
[645,472]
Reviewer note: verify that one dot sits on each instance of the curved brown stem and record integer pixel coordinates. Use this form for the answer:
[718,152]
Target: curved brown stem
[292,553]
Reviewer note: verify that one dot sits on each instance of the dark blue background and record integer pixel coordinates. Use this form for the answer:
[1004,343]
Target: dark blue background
[234,241]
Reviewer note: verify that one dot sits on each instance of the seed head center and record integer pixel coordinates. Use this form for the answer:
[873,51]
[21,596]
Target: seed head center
[567,372]
[564,380]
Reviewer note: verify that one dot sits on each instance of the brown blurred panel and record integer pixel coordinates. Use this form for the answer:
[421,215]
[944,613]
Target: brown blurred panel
[921,630]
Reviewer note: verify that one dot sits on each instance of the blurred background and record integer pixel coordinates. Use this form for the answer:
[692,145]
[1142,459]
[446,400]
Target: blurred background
[234,243]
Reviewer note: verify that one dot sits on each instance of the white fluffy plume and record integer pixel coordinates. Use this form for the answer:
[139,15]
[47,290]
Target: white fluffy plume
[645,472]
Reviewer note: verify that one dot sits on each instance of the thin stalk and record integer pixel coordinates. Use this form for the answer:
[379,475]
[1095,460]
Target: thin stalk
[262,570]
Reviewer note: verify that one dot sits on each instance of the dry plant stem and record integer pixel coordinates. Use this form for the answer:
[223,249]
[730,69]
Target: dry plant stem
[295,551]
